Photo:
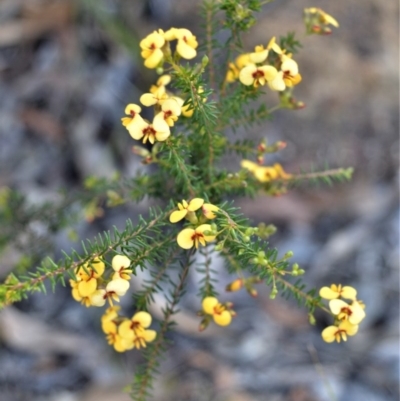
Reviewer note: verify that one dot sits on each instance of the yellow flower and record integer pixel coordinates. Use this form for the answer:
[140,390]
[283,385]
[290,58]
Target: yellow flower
[232,74]
[219,312]
[163,81]
[118,342]
[158,131]
[108,324]
[249,165]
[132,110]
[288,76]
[260,54]
[87,276]
[152,98]
[318,21]
[190,237]
[135,331]
[257,76]
[151,47]
[340,332]
[354,313]
[242,60]
[187,43]
[265,173]
[337,291]
[324,17]
[120,264]
[115,288]
[235,285]
[185,208]
[77,296]
[170,111]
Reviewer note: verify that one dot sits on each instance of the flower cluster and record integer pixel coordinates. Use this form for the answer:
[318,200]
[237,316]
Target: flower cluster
[347,315]
[221,313]
[254,69]
[167,106]
[125,334]
[156,46]
[317,21]
[265,173]
[91,288]
[199,232]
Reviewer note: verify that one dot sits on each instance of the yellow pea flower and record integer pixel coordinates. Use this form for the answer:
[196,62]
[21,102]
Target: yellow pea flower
[152,98]
[187,43]
[163,81]
[354,313]
[87,280]
[170,111]
[288,76]
[135,331]
[219,312]
[337,291]
[132,110]
[185,208]
[190,237]
[257,76]
[120,264]
[158,131]
[337,333]
[151,47]
[260,54]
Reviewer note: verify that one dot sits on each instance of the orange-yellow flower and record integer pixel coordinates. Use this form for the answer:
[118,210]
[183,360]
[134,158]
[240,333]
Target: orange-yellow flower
[219,312]
[190,237]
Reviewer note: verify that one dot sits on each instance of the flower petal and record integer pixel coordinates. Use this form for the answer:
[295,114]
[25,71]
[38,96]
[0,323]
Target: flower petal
[195,204]
[184,238]
[143,318]
[336,305]
[120,262]
[125,331]
[208,304]
[177,215]
[87,288]
[329,334]
[222,319]
[328,293]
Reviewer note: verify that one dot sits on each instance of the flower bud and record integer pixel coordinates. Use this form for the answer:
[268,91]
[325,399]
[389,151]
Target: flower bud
[235,285]
[288,255]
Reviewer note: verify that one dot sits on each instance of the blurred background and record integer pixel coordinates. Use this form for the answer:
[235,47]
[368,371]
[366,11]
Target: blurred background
[67,70]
